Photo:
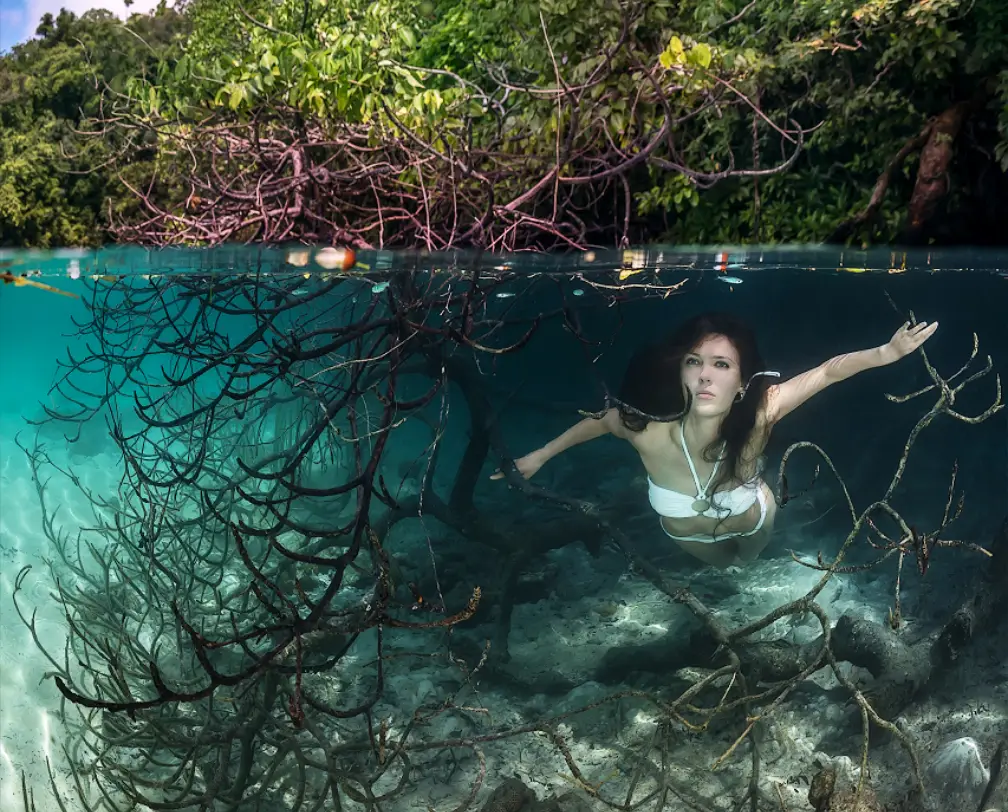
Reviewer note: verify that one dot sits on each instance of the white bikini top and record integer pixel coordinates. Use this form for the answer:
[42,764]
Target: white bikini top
[720,505]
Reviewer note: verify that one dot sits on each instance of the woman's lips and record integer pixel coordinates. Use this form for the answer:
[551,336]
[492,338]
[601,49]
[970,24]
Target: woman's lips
[705,394]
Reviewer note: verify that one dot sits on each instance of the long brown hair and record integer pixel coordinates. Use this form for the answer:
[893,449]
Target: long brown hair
[652,386]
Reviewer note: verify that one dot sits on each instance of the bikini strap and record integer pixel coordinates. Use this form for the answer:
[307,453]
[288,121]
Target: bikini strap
[701,492]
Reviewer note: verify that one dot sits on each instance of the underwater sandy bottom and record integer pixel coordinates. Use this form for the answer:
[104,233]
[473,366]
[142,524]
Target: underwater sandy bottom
[564,635]
[29,732]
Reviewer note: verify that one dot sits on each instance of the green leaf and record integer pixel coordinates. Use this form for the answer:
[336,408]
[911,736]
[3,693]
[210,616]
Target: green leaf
[700,54]
[673,54]
[181,69]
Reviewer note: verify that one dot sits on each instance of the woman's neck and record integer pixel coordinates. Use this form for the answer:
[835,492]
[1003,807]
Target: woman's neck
[700,432]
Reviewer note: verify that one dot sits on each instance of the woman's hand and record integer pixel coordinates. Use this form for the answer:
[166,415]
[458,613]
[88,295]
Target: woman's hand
[907,339]
[527,465]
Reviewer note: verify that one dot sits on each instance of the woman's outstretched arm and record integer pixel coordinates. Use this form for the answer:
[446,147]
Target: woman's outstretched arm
[784,398]
[580,432]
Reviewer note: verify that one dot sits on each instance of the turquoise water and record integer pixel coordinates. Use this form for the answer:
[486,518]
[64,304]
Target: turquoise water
[267,475]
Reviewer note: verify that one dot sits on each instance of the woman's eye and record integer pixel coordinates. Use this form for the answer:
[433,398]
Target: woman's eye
[692,361]
[723,364]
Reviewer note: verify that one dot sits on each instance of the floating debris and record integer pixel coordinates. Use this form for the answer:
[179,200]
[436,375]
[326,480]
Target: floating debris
[727,262]
[633,263]
[18,281]
[332,258]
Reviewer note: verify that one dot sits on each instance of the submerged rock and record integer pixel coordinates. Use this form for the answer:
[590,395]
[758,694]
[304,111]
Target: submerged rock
[956,775]
[511,796]
[514,796]
[828,793]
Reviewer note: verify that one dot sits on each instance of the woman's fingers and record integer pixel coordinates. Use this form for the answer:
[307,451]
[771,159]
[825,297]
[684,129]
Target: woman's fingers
[921,333]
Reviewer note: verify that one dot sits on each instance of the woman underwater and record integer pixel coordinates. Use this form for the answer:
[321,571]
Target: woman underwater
[704,469]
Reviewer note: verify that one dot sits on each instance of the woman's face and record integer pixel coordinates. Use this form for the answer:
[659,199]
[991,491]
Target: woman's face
[712,375]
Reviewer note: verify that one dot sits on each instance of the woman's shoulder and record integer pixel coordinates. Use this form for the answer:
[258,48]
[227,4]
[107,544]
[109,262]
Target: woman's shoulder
[662,429]
[653,432]
[654,439]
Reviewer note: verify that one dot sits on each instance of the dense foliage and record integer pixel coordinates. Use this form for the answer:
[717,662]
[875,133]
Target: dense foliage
[593,121]
[58,177]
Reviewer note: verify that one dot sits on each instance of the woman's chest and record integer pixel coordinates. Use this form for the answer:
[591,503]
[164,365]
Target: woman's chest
[668,466]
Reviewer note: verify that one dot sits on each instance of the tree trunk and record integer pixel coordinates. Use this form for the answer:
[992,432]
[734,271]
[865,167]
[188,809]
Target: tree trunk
[932,171]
